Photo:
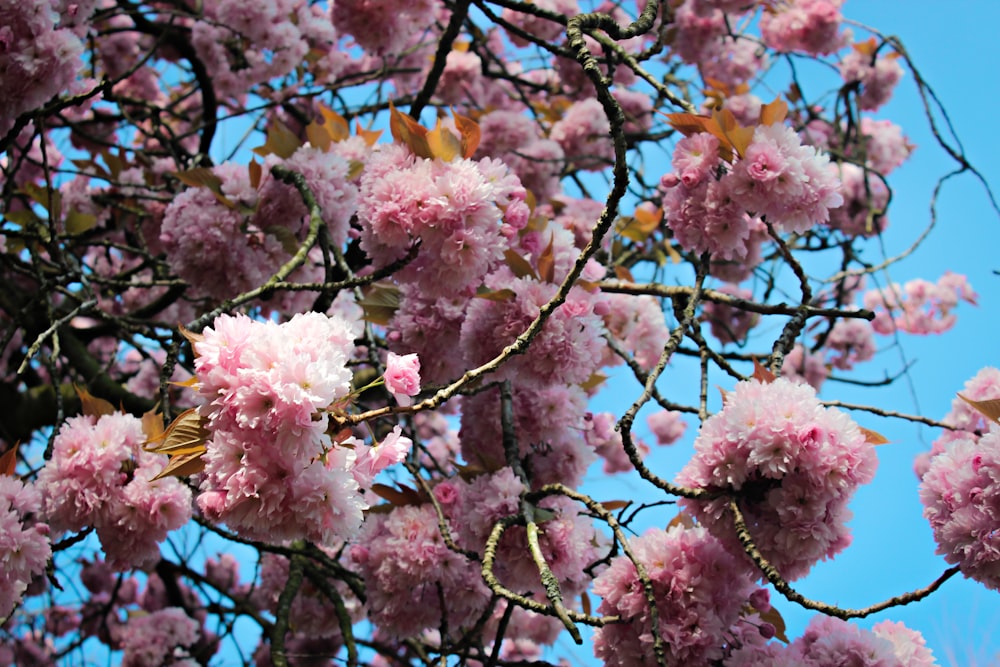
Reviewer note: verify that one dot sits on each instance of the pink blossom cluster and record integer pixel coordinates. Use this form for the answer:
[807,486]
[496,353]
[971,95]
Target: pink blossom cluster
[811,26]
[272,471]
[637,323]
[792,465]
[584,134]
[727,322]
[877,76]
[461,212]
[866,198]
[960,491]
[100,476]
[667,426]
[402,377]
[401,24]
[223,248]
[803,365]
[705,205]
[607,443]
[159,638]
[24,541]
[518,141]
[699,587]
[410,574]
[830,641]
[242,45]
[38,59]
[541,28]
[850,341]
[566,351]
[919,306]
[550,423]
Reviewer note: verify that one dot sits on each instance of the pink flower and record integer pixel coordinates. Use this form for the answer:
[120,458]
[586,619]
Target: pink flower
[402,377]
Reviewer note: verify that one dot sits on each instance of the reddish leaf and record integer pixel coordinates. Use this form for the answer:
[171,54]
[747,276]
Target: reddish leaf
[152,425]
[682,519]
[370,136]
[400,497]
[761,374]
[318,136]
[256,173]
[335,125]
[183,465]
[185,435]
[8,462]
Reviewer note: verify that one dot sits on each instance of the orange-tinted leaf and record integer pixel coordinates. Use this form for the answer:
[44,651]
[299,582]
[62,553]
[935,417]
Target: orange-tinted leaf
[761,374]
[281,141]
[682,519]
[623,273]
[256,173]
[185,435]
[370,136]
[203,177]
[8,462]
[409,132]
[773,616]
[867,47]
[318,136]
[152,425]
[91,405]
[470,134]
[182,465]
[724,394]
[519,265]
[191,336]
[612,505]
[873,437]
[688,123]
[335,124]
[989,408]
[585,603]
[443,144]
[774,112]
[501,295]
[594,381]
[380,303]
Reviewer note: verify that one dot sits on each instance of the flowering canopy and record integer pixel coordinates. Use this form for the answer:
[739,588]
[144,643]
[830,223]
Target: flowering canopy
[270,366]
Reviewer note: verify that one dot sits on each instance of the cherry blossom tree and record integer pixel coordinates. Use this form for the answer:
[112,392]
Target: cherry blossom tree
[312,307]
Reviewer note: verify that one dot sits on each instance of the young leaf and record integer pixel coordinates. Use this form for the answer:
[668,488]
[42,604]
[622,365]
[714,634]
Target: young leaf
[612,505]
[547,263]
[409,132]
[380,303]
[773,616]
[8,462]
[519,265]
[281,141]
[761,374]
[774,112]
[256,173]
[370,136]
[182,465]
[185,435]
[470,133]
[91,405]
[873,437]
[318,136]
[152,425]
[623,273]
[988,408]
[682,519]
[443,144]
[335,125]
[400,497]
